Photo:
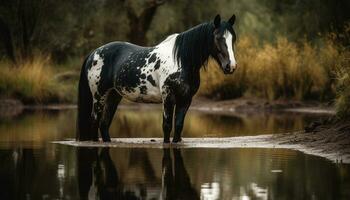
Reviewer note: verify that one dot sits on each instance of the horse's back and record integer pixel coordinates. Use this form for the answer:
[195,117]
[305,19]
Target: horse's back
[102,63]
[115,53]
[124,67]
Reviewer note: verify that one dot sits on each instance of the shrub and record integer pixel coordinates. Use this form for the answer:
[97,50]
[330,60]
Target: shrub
[33,81]
[343,87]
[281,70]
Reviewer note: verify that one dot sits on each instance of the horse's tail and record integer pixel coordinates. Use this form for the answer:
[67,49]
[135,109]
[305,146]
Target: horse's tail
[84,117]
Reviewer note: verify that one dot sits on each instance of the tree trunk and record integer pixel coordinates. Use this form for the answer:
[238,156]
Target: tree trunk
[139,25]
[7,40]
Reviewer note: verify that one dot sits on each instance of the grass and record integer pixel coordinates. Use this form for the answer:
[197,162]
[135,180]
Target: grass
[342,100]
[35,81]
[284,70]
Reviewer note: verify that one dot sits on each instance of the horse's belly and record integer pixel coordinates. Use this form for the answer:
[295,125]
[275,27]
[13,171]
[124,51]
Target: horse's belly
[143,95]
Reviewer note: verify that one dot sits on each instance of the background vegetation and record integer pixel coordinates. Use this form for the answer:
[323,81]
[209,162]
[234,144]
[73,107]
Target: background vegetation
[282,69]
[285,49]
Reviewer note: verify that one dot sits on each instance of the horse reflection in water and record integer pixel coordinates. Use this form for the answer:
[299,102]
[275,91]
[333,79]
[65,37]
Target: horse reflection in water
[101,169]
[98,177]
[176,185]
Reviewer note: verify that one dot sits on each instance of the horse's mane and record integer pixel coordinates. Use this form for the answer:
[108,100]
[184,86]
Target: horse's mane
[192,47]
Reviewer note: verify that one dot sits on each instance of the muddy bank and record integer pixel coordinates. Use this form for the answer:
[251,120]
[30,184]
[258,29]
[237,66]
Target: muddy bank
[327,137]
[261,105]
[332,143]
[10,108]
[246,105]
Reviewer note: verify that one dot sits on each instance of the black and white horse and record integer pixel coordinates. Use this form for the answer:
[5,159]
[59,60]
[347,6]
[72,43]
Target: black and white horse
[168,73]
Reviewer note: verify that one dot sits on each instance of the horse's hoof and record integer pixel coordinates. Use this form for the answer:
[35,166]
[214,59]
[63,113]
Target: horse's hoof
[107,140]
[176,140]
[166,141]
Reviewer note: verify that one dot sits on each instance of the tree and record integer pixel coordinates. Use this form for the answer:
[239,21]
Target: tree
[18,23]
[139,24]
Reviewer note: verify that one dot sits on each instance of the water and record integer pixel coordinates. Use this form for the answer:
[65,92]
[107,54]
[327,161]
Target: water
[34,168]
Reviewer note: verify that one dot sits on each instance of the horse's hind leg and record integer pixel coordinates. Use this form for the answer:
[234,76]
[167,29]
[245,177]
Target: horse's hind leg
[96,116]
[111,104]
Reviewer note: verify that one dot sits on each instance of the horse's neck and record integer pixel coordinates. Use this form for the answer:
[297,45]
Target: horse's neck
[166,48]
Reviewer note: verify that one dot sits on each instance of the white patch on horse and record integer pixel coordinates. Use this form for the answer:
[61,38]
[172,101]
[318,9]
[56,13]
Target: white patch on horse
[148,89]
[151,89]
[168,64]
[228,38]
[94,73]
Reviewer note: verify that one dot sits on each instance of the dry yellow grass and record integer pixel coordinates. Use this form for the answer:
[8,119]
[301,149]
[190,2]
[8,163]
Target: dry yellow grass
[343,87]
[281,70]
[33,81]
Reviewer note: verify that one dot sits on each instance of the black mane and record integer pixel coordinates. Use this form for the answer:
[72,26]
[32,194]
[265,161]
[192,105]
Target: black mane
[193,47]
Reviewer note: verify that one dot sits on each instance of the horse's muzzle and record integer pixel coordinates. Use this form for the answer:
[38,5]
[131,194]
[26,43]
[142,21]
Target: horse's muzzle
[229,69]
[229,72]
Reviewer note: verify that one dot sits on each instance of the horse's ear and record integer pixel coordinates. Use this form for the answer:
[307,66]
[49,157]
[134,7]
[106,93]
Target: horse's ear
[232,20]
[217,21]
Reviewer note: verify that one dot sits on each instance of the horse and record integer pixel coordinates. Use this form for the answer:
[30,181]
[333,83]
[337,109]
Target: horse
[168,73]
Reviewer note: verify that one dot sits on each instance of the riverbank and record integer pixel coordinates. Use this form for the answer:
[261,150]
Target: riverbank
[326,139]
[246,105]
[251,105]
[331,142]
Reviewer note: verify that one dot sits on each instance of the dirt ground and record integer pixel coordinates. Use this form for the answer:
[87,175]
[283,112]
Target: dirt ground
[7,106]
[331,140]
[260,105]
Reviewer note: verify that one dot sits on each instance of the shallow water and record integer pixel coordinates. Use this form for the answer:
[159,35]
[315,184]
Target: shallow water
[34,168]
[35,128]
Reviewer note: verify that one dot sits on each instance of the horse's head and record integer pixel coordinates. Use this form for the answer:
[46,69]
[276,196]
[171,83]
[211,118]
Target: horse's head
[224,39]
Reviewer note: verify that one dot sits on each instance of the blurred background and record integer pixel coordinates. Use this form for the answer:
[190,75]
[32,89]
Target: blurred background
[292,52]
[289,49]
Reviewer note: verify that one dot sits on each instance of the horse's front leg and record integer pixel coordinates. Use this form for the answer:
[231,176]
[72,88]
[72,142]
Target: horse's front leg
[180,113]
[168,111]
